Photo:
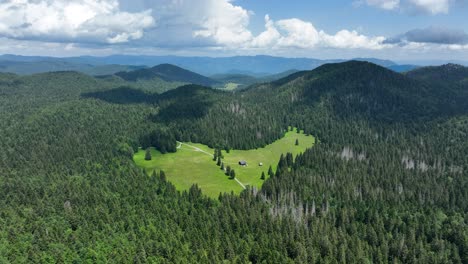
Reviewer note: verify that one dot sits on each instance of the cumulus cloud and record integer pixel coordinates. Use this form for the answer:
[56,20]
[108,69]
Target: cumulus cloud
[384,4]
[96,21]
[172,24]
[434,35]
[223,24]
[200,23]
[432,7]
[269,36]
[296,33]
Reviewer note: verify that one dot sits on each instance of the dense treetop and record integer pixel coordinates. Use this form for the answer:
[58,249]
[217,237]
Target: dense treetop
[386,182]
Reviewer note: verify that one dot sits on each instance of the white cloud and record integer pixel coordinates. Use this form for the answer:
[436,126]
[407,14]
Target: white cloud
[99,21]
[384,4]
[224,22]
[269,36]
[346,39]
[181,24]
[296,33]
[432,6]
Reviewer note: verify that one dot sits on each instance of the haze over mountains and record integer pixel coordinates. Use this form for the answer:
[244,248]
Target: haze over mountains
[256,66]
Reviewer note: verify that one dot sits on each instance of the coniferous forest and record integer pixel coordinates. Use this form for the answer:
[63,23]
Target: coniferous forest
[387,181]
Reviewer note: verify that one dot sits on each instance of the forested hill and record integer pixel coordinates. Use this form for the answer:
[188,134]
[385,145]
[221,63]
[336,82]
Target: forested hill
[387,181]
[374,91]
[450,73]
[168,73]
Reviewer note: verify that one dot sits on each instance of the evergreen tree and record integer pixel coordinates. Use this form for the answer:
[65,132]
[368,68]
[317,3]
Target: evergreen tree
[270,172]
[219,161]
[289,159]
[222,166]
[263,176]
[282,164]
[148,154]
[297,142]
[228,170]
[162,176]
[232,174]
[215,155]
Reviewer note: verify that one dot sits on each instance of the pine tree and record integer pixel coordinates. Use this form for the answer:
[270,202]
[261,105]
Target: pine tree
[232,174]
[215,155]
[148,154]
[222,166]
[282,164]
[289,159]
[162,175]
[228,170]
[263,176]
[297,142]
[219,161]
[270,172]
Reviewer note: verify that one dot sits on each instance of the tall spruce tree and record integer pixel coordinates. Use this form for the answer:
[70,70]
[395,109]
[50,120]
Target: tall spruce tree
[148,154]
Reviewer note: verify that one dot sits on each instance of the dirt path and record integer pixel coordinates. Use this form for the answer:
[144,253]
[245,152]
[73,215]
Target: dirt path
[211,155]
[197,149]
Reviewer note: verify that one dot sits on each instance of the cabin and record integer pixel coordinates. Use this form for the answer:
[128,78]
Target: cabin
[243,163]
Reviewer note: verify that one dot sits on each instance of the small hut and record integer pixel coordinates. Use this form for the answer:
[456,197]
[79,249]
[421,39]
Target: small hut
[243,163]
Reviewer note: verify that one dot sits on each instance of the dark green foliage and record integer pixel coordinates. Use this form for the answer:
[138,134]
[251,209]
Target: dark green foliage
[123,95]
[167,72]
[148,154]
[232,174]
[376,188]
[161,139]
[297,142]
[263,175]
[162,176]
[270,172]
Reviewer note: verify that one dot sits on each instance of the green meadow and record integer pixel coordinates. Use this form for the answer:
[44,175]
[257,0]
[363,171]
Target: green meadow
[193,163]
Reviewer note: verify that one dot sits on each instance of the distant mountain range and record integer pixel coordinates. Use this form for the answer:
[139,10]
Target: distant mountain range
[255,66]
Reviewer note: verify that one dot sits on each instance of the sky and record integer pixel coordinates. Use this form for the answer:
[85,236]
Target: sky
[401,30]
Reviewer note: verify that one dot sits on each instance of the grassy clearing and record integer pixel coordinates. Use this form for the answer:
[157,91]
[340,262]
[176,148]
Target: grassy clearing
[230,86]
[190,165]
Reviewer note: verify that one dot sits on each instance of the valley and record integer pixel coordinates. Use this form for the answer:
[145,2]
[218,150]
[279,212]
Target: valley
[193,164]
[385,181]
[232,132]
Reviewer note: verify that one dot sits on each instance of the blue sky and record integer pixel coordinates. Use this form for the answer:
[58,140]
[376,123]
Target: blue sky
[404,30]
[334,15]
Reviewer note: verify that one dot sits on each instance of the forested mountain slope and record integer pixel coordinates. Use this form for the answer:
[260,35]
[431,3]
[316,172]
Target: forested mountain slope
[446,73]
[169,73]
[386,182]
